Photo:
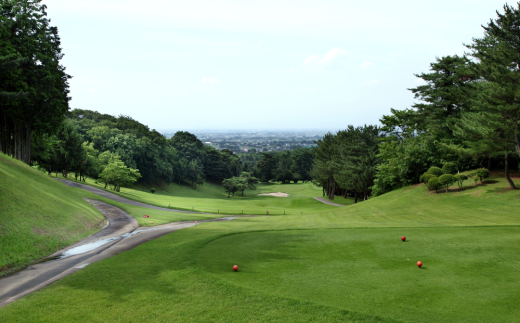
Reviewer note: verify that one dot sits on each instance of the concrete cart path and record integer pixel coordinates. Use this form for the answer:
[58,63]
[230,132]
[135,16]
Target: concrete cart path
[120,235]
[322,200]
[118,198]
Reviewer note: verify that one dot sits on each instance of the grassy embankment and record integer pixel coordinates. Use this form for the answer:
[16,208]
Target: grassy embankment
[212,198]
[38,215]
[313,267]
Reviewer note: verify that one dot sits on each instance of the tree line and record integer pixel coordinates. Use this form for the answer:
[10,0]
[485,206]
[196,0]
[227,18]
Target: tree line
[33,84]
[468,114]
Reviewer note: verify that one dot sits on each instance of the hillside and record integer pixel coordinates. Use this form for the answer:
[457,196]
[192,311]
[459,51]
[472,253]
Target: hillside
[344,264]
[38,215]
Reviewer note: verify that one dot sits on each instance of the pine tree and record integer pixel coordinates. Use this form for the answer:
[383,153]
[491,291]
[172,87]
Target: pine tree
[39,79]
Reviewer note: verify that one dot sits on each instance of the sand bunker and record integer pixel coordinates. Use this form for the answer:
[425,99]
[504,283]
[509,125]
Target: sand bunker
[277,194]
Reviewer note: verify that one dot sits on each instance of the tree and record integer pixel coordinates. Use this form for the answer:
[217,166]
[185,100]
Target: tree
[69,151]
[195,173]
[267,166]
[433,183]
[449,168]
[425,179]
[247,182]
[302,163]
[435,171]
[232,185]
[493,122]
[324,167]
[42,80]
[460,178]
[482,173]
[443,97]
[297,177]
[118,174]
[446,180]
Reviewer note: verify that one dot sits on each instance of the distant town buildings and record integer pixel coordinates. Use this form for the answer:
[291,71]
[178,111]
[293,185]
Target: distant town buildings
[257,141]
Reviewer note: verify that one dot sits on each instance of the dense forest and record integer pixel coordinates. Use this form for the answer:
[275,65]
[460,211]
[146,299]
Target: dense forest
[467,116]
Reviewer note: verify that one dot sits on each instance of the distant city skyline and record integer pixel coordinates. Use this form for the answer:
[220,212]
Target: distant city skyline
[281,64]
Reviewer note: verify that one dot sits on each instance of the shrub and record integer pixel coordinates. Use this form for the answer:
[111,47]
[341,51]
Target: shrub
[460,179]
[425,178]
[473,175]
[482,173]
[435,171]
[449,168]
[446,180]
[433,183]
[152,190]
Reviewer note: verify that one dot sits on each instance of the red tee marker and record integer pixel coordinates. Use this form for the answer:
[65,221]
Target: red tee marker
[235,267]
[146,216]
[419,264]
[403,238]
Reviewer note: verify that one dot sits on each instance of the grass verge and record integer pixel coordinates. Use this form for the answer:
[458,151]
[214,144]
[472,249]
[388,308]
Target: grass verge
[38,215]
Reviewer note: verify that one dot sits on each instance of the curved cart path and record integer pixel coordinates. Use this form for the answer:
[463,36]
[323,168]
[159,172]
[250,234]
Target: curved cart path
[118,198]
[322,200]
[120,235]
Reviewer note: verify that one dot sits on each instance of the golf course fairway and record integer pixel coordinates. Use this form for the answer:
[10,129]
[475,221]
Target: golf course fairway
[343,264]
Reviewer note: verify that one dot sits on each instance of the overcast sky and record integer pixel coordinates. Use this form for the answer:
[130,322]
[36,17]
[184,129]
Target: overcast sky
[264,65]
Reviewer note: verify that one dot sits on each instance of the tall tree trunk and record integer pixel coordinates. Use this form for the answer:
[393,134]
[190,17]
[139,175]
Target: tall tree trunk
[506,171]
[517,139]
[489,163]
[332,187]
[28,135]
[355,197]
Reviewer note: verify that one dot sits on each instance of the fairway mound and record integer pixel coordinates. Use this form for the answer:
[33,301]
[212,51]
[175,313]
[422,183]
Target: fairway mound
[277,194]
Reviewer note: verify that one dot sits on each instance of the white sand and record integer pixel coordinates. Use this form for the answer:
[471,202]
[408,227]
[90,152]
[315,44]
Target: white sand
[277,194]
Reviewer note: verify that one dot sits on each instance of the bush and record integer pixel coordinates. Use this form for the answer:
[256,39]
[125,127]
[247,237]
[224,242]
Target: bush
[446,180]
[425,178]
[460,179]
[435,171]
[152,190]
[449,168]
[433,183]
[482,173]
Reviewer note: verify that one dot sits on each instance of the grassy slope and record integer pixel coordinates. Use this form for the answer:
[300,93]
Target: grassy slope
[211,198]
[296,268]
[38,215]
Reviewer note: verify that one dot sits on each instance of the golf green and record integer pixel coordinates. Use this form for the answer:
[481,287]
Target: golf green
[469,273]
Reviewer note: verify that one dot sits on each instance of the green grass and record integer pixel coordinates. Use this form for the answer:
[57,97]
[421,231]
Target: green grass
[466,273]
[341,264]
[157,217]
[212,198]
[38,215]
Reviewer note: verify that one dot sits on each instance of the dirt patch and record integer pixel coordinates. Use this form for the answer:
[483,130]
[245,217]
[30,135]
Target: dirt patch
[39,231]
[277,194]
[414,186]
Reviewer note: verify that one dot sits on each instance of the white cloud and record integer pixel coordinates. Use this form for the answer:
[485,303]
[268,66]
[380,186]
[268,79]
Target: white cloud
[311,60]
[332,57]
[366,65]
[212,80]
[373,82]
